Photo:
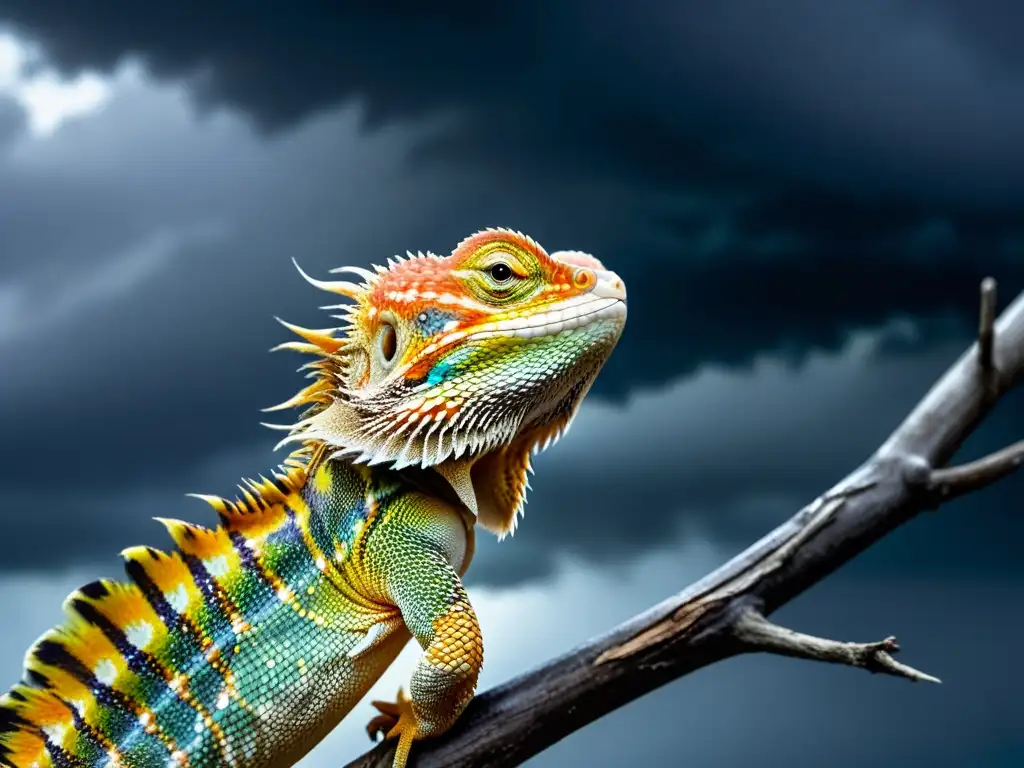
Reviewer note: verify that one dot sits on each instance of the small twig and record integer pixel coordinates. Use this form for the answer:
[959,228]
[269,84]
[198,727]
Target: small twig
[956,481]
[987,322]
[757,633]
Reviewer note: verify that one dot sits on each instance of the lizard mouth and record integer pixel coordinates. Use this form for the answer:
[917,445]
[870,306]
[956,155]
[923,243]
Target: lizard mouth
[570,315]
[555,321]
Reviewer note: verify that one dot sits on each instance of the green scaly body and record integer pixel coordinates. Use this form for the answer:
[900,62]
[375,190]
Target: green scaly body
[251,643]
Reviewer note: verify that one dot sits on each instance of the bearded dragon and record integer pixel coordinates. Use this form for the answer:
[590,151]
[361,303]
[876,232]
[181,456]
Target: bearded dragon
[249,642]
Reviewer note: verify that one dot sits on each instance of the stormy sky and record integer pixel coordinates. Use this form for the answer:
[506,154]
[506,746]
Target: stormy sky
[801,197]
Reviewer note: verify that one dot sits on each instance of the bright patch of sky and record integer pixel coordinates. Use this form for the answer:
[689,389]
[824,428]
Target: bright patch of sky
[48,98]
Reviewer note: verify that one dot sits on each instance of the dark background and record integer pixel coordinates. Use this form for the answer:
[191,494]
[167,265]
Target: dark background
[801,197]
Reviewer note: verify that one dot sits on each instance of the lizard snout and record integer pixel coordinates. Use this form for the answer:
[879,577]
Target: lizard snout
[609,285]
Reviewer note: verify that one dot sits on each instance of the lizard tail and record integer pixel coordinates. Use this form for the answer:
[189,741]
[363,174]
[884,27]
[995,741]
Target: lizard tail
[94,686]
[68,710]
[133,676]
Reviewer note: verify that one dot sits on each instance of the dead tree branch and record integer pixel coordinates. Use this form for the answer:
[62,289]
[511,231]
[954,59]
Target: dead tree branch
[724,614]
[755,632]
[956,481]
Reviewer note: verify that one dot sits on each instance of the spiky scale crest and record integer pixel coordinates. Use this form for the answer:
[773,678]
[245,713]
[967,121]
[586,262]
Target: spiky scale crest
[428,369]
[71,667]
[408,288]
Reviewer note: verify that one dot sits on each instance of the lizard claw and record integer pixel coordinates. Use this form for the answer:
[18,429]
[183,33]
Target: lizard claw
[380,724]
[396,720]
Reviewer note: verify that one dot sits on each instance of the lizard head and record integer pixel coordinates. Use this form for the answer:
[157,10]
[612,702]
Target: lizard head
[467,363]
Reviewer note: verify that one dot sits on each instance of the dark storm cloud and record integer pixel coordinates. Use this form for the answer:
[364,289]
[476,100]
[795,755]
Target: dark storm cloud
[765,184]
[143,261]
[722,456]
[731,80]
[728,455]
[767,179]
[792,167]
[988,26]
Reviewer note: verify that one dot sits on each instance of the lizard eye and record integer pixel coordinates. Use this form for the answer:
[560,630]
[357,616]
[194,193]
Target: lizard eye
[501,272]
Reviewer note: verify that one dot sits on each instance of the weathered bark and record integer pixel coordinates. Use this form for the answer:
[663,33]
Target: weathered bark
[724,614]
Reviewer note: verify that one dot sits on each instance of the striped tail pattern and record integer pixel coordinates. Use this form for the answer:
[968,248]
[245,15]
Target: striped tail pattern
[146,672]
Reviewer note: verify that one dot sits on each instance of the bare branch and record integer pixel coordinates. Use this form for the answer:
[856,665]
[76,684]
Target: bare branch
[956,481]
[757,633]
[711,620]
[986,323]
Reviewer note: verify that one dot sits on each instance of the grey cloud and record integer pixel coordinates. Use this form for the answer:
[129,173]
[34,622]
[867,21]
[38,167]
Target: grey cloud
[136,306]
[781,712]
[33,305]
[12,121]
[730,454]
[723,453]
[214,248]
[741,144]
[191,340]
[172,372]
[768,181]
[853,85]
[987,27]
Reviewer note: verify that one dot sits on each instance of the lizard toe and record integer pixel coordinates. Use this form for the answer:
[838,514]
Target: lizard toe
[404,729]
[396,720]
[389,708]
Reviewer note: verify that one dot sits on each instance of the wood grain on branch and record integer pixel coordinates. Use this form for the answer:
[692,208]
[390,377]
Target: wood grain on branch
[725,613]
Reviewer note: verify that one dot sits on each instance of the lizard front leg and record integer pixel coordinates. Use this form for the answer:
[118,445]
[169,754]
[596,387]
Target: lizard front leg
[436,609]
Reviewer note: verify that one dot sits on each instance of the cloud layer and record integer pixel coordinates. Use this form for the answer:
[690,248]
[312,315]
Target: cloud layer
[802,200]
[147,247]
[778,173]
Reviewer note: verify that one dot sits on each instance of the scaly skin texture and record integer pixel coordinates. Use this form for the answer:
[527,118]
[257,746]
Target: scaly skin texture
[247,644]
